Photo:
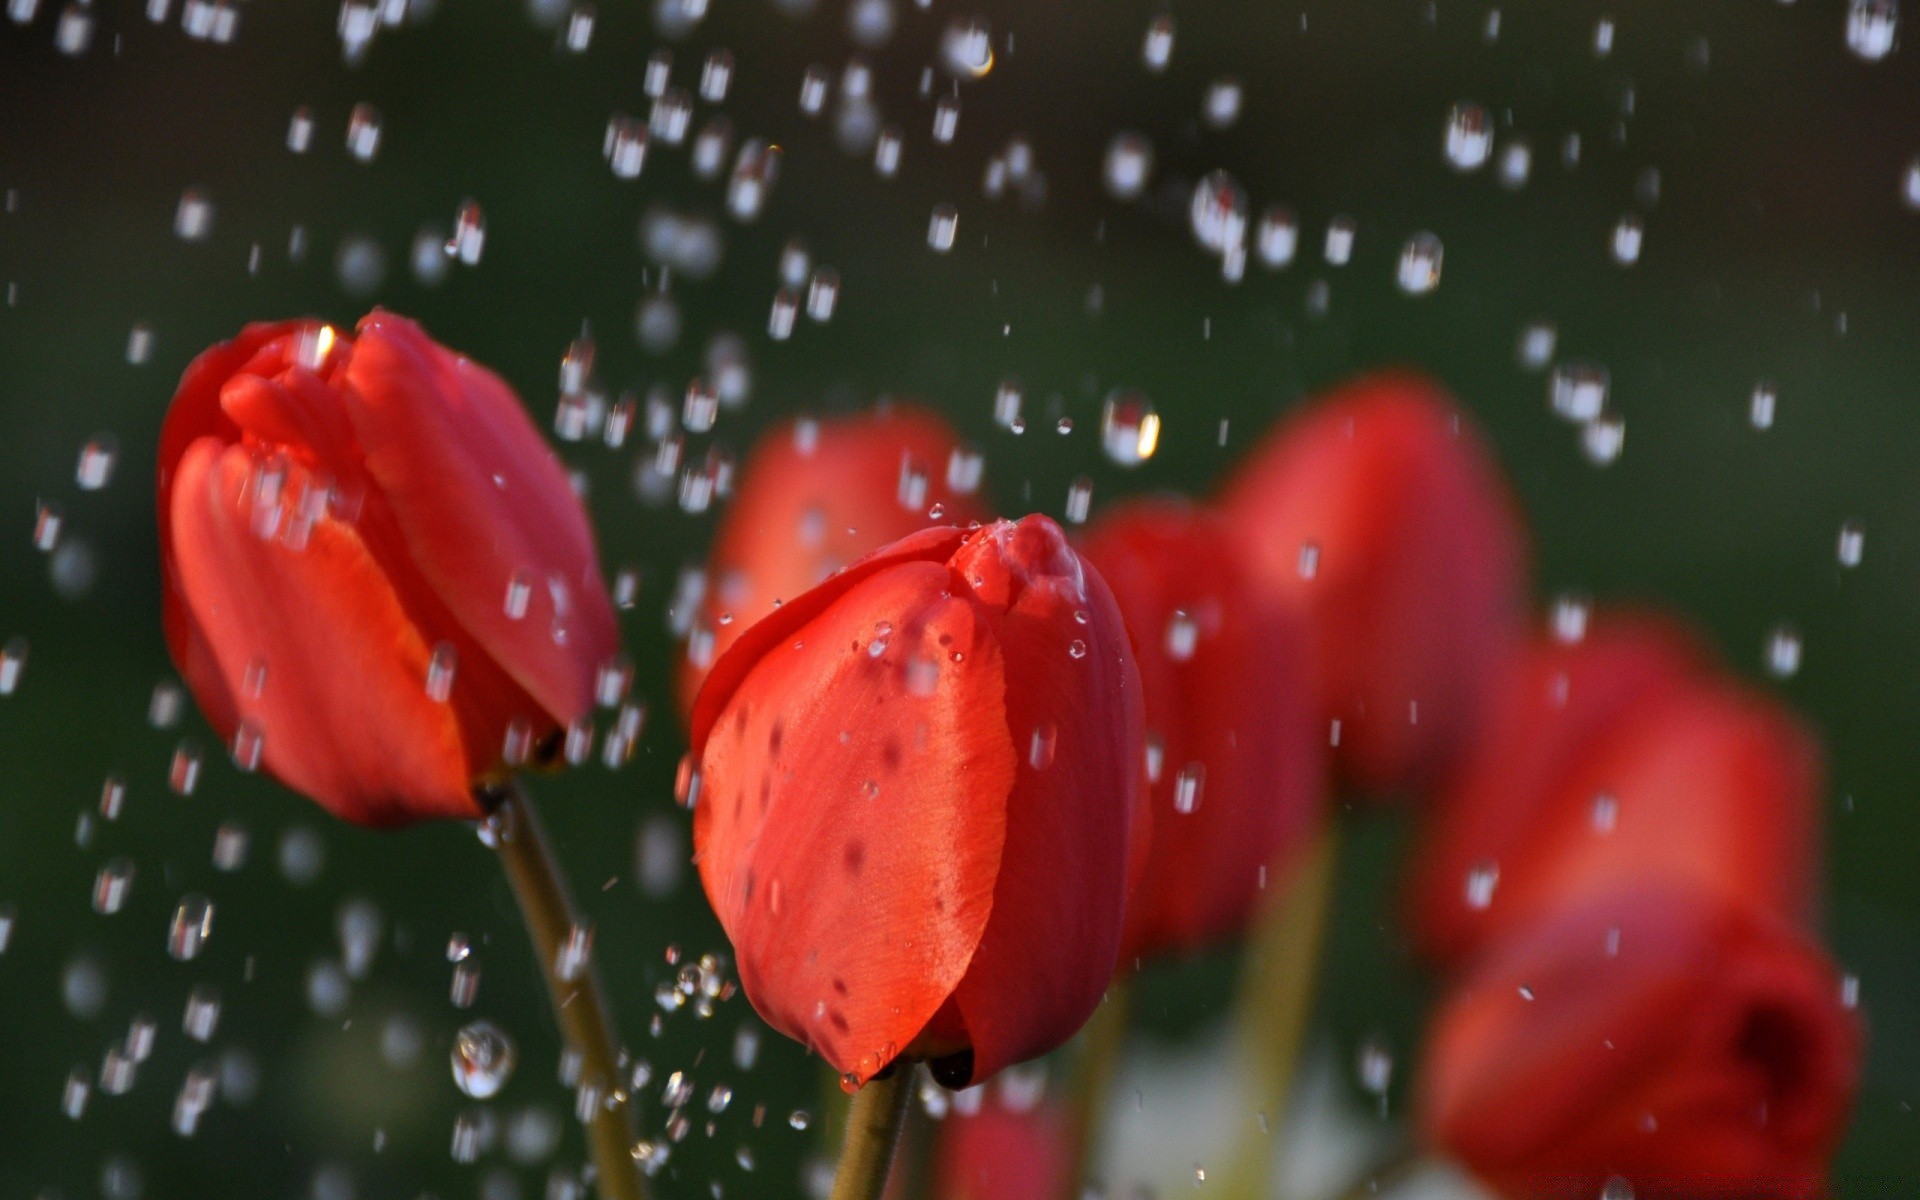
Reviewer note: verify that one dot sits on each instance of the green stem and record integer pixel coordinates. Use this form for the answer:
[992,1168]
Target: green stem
[1271,1011]
[1100,1044]
[579,1006]
[874,1121]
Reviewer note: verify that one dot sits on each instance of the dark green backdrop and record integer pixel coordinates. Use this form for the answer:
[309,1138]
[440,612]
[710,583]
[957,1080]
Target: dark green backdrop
[1779,248]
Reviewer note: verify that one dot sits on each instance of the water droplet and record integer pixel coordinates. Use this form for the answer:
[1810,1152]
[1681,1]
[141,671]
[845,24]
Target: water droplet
[482,1058]
[942,226]
[946,119]
[203,1013]
[1339,245]
[183,773]
[1222,105]
[469,233]
[1129,428]
[97,457]
[1157,50]
[1482,878]
[192,925]
[1079,500]
[1129,164]
[1577,391]
[823,292]
[1853,538]
[1760,408]
[966,48]
[1783,652]
[1277,238]
[1188,785]
[111,884]
[1218,213]
[1871,26]
[1628,233]
[1420,258]
[363,132]
[1603,438]
[1469,140]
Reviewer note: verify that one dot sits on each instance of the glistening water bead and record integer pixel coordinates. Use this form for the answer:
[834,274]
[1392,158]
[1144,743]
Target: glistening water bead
[482,1059]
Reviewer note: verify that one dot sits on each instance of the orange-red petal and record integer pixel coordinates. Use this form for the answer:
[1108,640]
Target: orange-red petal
[346,720]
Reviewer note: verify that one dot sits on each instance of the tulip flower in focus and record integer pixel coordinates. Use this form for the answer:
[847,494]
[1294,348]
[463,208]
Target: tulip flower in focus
[1614,761]
[1002,1154]
[1680,1042]
[916,788]
[377,580]
[815,495]
[1235,743]
[1378,512]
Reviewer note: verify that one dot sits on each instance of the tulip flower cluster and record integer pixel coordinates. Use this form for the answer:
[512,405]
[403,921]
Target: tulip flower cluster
[951,774]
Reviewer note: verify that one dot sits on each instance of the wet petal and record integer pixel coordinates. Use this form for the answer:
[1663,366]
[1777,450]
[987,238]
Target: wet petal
[853,807]
[481,502]
[344,719]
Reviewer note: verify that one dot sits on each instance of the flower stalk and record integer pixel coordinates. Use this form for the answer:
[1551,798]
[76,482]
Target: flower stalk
[579,1003]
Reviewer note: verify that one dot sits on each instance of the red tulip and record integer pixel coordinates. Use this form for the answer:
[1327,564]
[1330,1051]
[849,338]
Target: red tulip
[1235,741]
[917,783]
[1688,1045]
[1556,702]
[1000,1154]
[378,582]
[1653,768]
[1379,513]
[816,495]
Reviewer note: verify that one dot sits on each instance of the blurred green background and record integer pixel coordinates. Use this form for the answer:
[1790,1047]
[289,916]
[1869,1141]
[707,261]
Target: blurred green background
[1777,247]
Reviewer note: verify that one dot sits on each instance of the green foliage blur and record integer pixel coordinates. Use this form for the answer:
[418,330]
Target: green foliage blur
[1778,248]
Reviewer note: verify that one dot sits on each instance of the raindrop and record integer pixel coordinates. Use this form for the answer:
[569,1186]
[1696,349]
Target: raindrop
[139,344]
[1578,391]
[229,847]
[1535,346]
[1603,438]
[1183,635]
[1218,213]
[1420,258]
[1222,106]
[1129,164]
[1129,428]
[1157,50]
[469,233]
[1079,500]
[1516,163]
[942,226]
[184,771]
[946,118]
[192,925]
[813,91]
[1570,616]
[1277,239]
[1469,140]
[625,146]
[13,660]
[95,468]
[886,152]
[1340,235]
[1603,37]
[823,291]
[363,132]
[482,1058]
[1760,408]
[1188,785]
[966,48]
[1871,25]
[1783,652]
[1853,537]
[1627,236]
[193,219]
[203,1013]
[111,885]
[1481,881]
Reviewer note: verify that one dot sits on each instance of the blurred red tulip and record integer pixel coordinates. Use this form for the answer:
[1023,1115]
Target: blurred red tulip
[1235,746]
[1682,1043]
[1380,514]
[377,579]
[1611,763]
[1000,1154]
[917,783]
[814,496]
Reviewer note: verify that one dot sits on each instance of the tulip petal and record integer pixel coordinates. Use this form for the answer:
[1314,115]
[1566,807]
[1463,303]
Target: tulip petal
[815,496]
[853,810]
[347,721]
[1076,724]
[482,505]
[1692,1046]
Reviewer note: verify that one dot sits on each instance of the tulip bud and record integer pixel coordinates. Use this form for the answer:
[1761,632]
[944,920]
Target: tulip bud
[1379,514]
[1617,760]
[1235,749]
[377,580]
[917,786]
[1664,1043]
[815,495]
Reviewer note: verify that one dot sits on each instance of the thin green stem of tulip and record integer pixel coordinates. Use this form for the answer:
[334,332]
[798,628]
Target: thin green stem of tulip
[1271,1011]
[1094,1066]
[874,1121]
[579,1005]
